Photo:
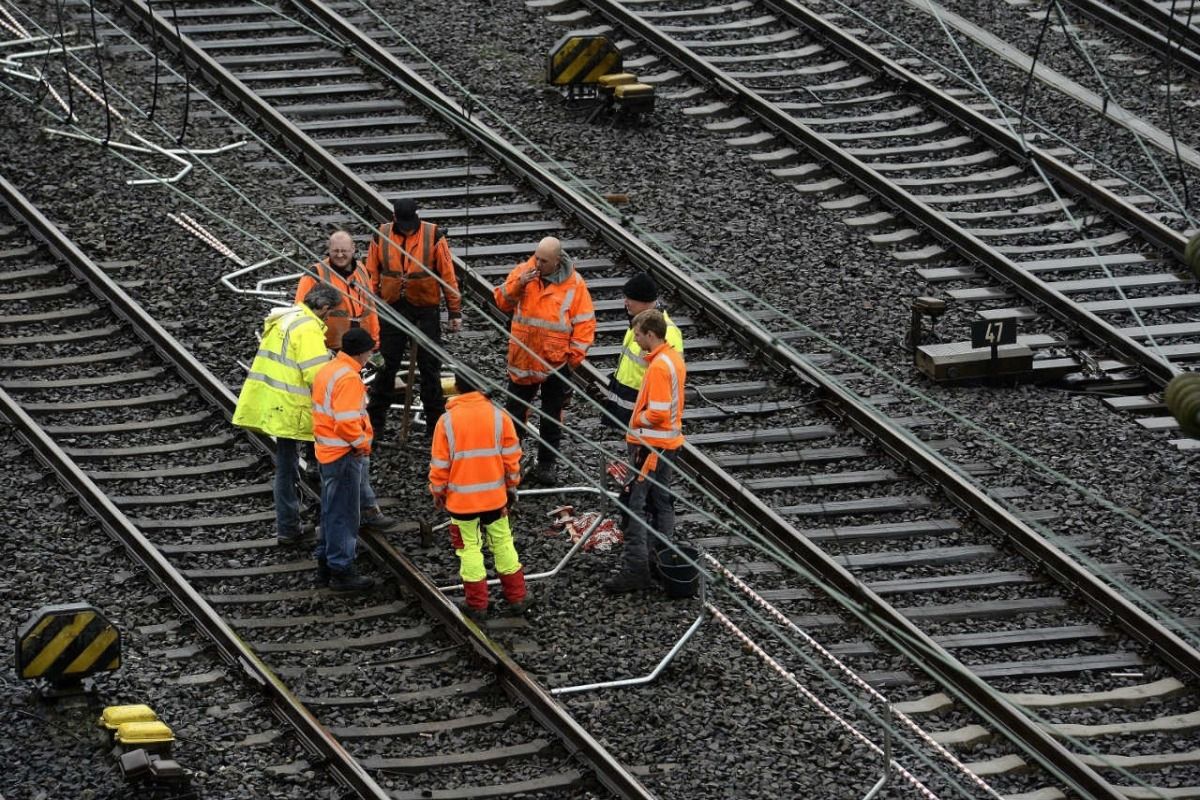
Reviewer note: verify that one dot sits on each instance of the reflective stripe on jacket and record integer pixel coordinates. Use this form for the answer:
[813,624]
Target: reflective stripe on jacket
[276,397]
[554,319]
[657,418]
[339,410]
[631,368]
[357,305]
[475,457]
[396,276]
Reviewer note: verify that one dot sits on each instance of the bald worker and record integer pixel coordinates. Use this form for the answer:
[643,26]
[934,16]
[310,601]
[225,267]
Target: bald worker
[553,325]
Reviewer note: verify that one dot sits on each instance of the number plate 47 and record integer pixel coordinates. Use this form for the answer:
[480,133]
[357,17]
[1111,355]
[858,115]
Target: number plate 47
[993,332]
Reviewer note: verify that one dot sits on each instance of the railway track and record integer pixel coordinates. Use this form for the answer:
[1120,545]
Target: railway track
[1170,28]
[931,178]
[852,481]
[132,423]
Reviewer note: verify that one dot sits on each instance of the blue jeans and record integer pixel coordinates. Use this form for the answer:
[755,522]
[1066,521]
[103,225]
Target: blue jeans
[341,494]
[653,508]
[367,499]
[287,494]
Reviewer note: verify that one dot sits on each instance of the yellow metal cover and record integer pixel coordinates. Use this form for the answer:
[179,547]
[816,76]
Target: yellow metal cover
[448,387]
[115,716]
[582,59]
[142,733]
[631,90]
[616,79]
[67,643]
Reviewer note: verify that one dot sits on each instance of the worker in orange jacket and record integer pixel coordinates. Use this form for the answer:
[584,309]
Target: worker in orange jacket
[343,272]
[474,470]
[654,438]
[342,434]
[553,325]
[411,269]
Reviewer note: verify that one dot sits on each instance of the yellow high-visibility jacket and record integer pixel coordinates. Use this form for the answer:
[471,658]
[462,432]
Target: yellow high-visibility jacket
[276,398]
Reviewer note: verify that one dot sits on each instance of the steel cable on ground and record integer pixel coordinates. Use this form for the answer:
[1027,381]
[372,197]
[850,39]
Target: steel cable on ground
[447,356]
[698,272]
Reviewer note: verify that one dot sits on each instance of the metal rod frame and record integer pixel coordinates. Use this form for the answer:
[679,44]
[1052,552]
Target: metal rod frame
[654,673]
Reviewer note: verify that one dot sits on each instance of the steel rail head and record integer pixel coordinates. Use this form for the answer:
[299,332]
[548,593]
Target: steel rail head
[1176,30]
[1167,45]
[1000,265]
[517,682]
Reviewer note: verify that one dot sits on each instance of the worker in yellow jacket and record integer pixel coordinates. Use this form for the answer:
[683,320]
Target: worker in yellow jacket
[276,398]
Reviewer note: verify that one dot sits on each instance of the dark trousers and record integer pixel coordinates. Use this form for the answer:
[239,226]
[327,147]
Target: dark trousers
[556,394]
[653,508]
[393,345]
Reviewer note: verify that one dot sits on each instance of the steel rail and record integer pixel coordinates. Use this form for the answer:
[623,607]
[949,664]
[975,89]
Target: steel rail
[312,734]
[999,265]
[1168,45]
[1177,31]
[881,616]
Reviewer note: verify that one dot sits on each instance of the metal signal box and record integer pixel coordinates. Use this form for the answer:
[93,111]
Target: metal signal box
[958,361]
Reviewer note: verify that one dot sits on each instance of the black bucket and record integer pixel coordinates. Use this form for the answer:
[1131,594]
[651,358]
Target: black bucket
[678,573]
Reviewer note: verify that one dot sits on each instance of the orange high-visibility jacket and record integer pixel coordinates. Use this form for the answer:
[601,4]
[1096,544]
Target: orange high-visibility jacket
[356,306]
[339,401]
[554,320]
[396,276]
[657,418]
[475,457]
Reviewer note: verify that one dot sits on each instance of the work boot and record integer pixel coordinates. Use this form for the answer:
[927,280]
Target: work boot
[544,474]
[476,615]
[624,582]
[375,521]
[322,573]
[346,581]
[518,608]
[513,586]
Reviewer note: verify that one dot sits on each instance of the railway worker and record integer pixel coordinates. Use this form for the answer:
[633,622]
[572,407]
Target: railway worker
[276,398]
[411,269]
[474,471]
[553,325]
[640,294]
[344,272]
[342,431]
[654,438]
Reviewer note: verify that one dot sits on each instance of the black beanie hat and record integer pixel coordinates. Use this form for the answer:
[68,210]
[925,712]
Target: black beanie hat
[404,211]
[641,287]
[356,341]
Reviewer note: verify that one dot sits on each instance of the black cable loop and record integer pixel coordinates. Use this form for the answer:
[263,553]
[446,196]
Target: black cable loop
[62,40]
[100,72]
[1037,50]
[157,60]
[187,78]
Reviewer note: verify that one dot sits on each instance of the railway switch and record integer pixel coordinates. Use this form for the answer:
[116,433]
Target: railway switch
[65,645]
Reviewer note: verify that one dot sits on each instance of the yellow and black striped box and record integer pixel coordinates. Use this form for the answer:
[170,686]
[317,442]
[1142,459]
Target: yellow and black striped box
[66,643]
[581,60]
